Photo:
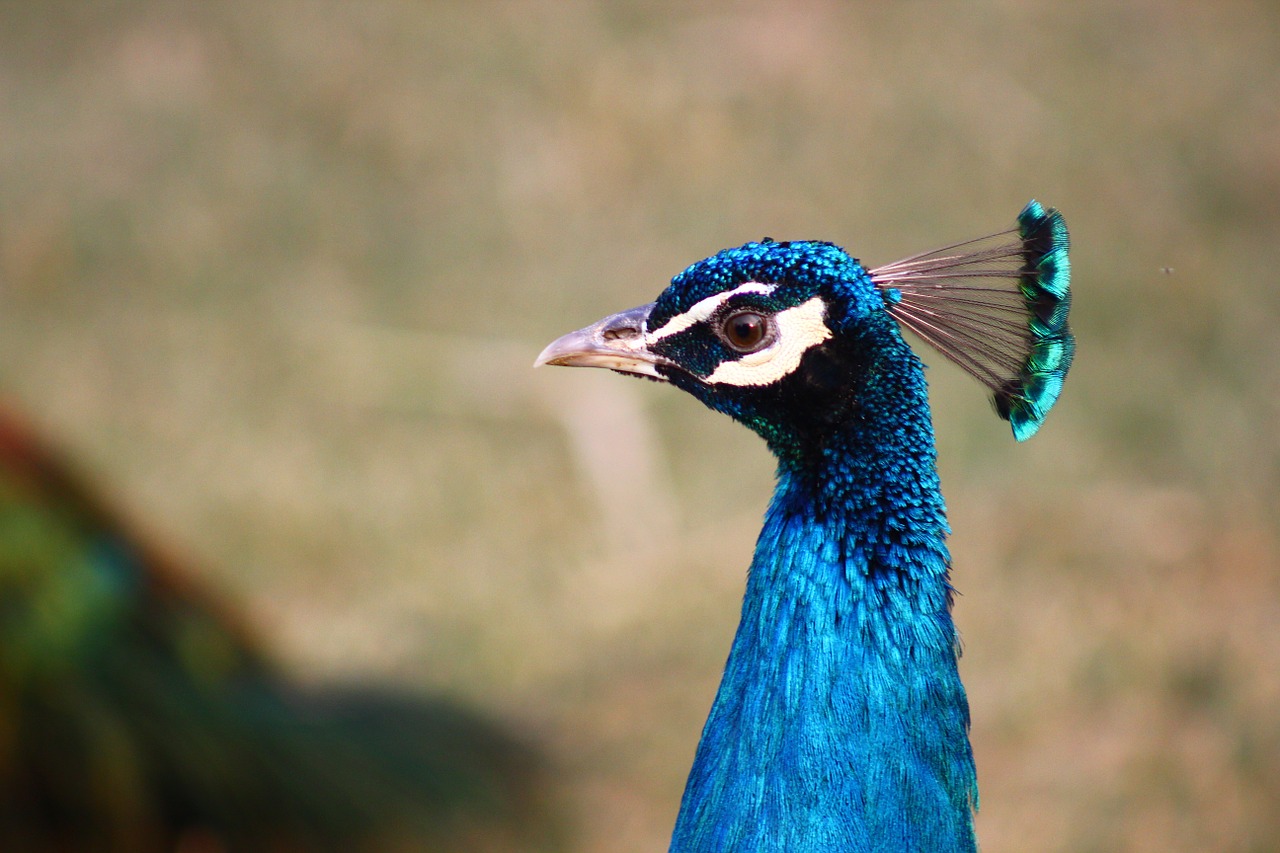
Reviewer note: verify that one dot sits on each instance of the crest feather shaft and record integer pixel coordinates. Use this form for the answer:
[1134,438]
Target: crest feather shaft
[997,307]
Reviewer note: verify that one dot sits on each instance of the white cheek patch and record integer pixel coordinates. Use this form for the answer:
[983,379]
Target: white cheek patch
[702,310]
[798,330]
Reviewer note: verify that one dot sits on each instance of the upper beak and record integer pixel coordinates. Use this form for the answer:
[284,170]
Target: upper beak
[616,342]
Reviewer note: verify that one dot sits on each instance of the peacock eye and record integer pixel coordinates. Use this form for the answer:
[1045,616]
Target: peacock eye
[746,331]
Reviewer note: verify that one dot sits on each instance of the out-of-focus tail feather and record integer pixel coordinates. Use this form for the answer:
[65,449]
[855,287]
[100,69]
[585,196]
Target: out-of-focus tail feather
[137,714]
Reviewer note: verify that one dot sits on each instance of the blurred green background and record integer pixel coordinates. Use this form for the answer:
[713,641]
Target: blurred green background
[276,273]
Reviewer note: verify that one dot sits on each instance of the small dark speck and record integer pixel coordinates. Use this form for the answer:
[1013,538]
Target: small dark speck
[1167,270]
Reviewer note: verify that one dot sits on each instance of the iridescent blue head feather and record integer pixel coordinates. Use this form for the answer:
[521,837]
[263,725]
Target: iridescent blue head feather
[811,305]
[803,267]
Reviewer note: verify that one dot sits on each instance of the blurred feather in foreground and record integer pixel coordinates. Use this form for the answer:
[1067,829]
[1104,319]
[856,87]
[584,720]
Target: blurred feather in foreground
[137,713]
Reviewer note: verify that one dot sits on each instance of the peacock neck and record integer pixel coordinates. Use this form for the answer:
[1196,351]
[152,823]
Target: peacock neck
[841,722]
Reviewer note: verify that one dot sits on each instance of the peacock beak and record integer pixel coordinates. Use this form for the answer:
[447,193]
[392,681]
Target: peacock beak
[616,342]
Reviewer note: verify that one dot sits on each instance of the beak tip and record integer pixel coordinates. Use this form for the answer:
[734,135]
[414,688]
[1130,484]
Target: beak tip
[557,349]
[616,343]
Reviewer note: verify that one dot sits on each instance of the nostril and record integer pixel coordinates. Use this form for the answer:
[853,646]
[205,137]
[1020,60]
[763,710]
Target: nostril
[621,333]
[625,330]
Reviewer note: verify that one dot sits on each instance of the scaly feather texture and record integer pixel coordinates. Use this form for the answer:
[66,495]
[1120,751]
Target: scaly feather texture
[137,715]
[840,722]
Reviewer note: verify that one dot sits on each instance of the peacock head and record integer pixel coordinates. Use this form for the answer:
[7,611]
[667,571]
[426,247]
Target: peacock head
[792,338]
[778,335]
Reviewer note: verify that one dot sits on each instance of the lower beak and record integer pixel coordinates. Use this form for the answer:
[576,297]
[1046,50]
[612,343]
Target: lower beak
[616,342]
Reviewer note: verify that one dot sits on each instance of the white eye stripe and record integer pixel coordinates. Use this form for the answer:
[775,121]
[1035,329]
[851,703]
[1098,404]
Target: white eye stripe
[799,329]
[703,309]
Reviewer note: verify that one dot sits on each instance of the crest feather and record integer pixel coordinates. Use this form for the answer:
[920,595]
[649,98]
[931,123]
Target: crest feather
[997,307]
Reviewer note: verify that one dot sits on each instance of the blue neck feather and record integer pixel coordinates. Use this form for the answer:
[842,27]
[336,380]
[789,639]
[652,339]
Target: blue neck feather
[841,722]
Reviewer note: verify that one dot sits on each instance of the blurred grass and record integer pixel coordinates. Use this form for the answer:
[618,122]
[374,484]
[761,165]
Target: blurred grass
[278,272]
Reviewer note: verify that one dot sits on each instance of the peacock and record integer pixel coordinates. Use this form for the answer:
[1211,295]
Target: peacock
[138,715]
[841,722]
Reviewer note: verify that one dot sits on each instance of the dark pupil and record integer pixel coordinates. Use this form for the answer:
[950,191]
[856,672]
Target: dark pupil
[745,330]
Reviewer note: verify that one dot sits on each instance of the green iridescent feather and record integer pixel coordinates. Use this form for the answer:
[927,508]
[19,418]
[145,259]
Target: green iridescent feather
[1045,284]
